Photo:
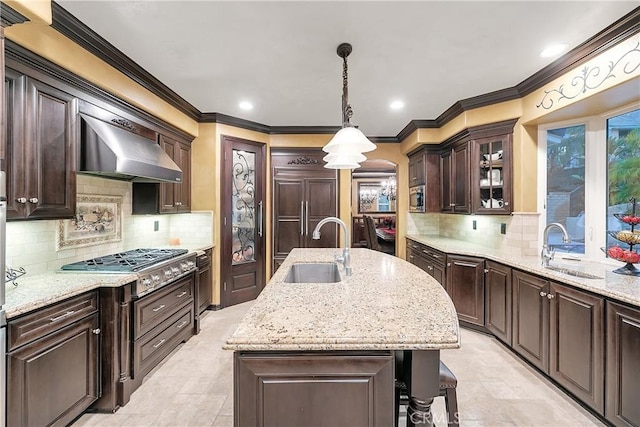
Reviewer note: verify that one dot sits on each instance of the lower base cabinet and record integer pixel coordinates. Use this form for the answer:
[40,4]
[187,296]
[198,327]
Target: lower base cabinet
[296,388]
[52,364]
[560,330]
[623,365]
[205,284]
[465,286]
[497,300]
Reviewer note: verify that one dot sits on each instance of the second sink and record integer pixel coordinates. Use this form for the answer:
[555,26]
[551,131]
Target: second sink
[317,272]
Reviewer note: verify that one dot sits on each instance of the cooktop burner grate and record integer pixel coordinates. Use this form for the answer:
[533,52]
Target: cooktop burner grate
[133,260]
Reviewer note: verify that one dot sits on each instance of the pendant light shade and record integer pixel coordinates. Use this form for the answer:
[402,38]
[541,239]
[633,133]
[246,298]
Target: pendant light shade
[347,145]
[351,138]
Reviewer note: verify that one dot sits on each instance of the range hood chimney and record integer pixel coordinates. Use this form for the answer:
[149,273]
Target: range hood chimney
[111,152]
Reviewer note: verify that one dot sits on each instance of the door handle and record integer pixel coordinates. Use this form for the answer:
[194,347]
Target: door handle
[260,218]
[306,205]
[302,217]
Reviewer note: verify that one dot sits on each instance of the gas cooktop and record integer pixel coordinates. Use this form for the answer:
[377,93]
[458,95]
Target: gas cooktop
[129,261]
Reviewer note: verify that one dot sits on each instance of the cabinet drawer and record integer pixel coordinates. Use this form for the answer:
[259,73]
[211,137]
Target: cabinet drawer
[153,309]
[433,255]
[36,325]
[157,344]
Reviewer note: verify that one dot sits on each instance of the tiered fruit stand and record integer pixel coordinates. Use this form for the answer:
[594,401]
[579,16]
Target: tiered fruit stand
[630,237]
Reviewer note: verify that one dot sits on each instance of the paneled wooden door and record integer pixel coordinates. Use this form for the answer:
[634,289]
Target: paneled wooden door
[242,217]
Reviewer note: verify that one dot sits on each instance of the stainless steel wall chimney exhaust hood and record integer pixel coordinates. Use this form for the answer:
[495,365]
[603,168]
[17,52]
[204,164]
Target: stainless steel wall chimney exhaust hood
[111,152]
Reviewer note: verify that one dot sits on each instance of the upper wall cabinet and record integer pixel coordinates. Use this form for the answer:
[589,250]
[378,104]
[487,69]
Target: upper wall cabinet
[475,170]
[176,198]
[40,151]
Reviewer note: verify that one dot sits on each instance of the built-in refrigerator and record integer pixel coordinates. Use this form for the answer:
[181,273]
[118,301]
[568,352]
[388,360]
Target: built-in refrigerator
[3,317]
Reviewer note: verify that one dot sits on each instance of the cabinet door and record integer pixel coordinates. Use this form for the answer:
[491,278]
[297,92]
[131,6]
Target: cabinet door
[416,169]
[576,353]
[167,190]
[531,319]
[288,216]
[307,389]
[54,379]
[446,185]
[438,273]
[13,139]
[491,175]
[623,365]
[50,152]
[465,285]
[498,300]
[320,202]
[461,196]
[205,285]
[182,154]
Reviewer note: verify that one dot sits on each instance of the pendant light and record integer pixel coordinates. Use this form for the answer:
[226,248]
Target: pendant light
[347,145]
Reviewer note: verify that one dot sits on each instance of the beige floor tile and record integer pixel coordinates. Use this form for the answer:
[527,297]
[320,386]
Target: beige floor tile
[193,386]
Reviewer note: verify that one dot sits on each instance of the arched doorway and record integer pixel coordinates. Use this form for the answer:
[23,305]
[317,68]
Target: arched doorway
[374,193]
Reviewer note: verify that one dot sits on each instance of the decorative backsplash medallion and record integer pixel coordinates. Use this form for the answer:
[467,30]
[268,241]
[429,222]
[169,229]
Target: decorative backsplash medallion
[98,220]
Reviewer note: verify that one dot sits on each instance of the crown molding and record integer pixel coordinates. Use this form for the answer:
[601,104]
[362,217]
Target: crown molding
[8,16]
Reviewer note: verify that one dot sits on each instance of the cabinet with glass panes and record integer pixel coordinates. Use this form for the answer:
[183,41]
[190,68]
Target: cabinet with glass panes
[491,189]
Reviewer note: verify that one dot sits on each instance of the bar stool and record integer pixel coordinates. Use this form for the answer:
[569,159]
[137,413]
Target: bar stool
[448,383]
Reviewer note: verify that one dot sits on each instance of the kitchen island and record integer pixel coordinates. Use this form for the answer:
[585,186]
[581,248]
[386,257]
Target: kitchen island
[323,353]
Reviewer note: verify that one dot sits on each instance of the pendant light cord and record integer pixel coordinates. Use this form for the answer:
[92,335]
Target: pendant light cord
[347,112]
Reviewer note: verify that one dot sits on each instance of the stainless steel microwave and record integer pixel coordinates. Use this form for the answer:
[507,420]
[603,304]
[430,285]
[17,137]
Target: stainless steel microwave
[416,198]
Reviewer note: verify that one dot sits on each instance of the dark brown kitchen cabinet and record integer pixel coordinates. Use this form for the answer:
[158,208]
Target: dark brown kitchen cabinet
[531,319]
[417,168]
[454,179]
[465,286]
[40,152]
[623,365]
[497,300]
[559,329]
[491,175]
[428,259]
[304,192]
[299,389]
[53,363]
[176,198]
[205,280]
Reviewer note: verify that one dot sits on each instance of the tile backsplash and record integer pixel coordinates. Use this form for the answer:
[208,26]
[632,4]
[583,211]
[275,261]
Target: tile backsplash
[32,244]
[521,235]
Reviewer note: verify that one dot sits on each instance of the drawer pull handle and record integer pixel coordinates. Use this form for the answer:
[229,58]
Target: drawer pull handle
[181,294]
[158,308]
[184,322]
[96,331]
[159,343]
[62,316]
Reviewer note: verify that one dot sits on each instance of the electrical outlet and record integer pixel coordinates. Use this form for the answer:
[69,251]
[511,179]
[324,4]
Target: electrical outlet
[475,224]
[503,228]
[156,225]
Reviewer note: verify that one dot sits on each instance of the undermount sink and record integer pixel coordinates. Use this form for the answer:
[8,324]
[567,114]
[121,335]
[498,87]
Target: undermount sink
[575,273]
[318,272]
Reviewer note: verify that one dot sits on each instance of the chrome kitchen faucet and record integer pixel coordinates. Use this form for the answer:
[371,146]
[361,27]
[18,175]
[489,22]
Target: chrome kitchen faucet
[345,259]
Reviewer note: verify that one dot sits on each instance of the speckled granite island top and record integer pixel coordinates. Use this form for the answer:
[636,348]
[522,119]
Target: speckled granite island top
[387,303]
[618,286]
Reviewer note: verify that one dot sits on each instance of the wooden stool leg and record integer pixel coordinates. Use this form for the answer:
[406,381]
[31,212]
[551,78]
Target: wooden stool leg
[397,407]
[451,402]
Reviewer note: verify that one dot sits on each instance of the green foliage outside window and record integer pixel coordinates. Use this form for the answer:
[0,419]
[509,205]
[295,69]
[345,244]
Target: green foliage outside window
[624,167]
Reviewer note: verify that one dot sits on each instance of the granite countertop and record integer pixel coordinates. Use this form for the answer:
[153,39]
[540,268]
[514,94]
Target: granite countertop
[617,286]
[39,290]
[386,304]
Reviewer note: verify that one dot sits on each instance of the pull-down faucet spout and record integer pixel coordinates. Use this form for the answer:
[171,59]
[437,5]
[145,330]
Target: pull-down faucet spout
[346,256]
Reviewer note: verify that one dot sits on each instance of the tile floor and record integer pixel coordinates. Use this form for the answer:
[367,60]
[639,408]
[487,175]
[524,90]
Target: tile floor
[193,386]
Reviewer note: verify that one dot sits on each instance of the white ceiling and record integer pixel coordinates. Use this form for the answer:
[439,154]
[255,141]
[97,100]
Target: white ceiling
[281,55]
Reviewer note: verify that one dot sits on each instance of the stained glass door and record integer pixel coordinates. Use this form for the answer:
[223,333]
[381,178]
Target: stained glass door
[242,189]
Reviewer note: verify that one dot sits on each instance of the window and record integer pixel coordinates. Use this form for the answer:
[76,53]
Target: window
[588,169]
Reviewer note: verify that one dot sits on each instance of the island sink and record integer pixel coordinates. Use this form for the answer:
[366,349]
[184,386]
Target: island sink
[317,272]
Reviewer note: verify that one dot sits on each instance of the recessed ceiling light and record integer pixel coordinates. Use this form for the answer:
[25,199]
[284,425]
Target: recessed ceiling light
[396,105]
[246,105]
[553,50]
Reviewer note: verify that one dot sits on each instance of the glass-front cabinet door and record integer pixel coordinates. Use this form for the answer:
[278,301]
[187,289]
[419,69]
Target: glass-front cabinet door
[491,175]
